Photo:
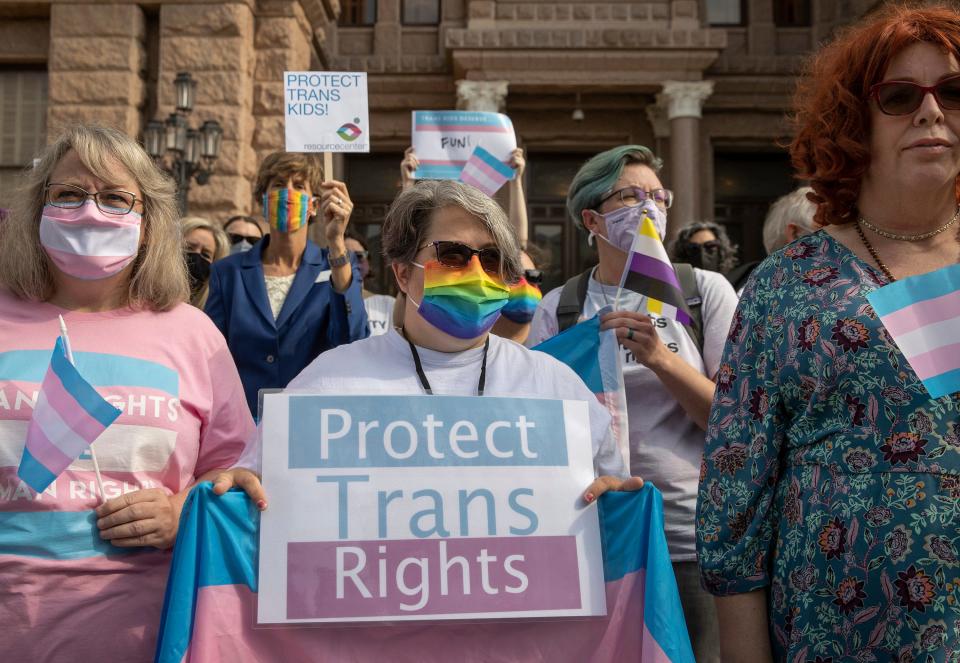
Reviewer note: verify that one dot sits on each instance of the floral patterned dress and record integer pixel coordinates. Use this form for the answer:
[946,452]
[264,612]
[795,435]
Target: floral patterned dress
[830,477]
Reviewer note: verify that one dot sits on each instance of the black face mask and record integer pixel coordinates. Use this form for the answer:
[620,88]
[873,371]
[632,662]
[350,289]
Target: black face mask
[198,268]
[705,256]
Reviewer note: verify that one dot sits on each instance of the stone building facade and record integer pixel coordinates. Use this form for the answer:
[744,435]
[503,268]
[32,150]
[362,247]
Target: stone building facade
[706,83]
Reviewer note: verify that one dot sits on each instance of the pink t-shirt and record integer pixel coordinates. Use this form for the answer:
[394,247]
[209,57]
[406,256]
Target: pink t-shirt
[65,593]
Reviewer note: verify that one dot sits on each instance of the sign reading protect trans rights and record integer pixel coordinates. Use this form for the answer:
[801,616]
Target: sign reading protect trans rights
[326,111]
[426,508]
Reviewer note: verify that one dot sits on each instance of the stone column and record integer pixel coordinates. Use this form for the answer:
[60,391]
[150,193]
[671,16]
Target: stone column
[214,43]
[96,56]
[482,95]
[683,102]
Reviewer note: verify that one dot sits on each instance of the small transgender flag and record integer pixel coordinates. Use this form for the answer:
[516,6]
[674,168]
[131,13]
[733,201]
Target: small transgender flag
[649,272]
[485,172]
[68,416]
[922,314]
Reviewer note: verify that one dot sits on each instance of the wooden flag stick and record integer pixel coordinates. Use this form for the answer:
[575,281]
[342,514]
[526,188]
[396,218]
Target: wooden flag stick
[327,166]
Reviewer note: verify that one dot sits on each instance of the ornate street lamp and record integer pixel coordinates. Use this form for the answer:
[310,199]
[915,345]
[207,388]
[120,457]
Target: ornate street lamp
[186,153]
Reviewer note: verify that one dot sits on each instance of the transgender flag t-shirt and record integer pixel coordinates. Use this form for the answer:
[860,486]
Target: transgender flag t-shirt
[65,594]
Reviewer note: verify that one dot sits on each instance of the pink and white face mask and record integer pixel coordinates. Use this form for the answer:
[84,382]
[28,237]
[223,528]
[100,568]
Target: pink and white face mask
[86,243]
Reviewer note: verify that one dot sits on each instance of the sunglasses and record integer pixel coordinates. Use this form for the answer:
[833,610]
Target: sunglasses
[361,255]
[904,97]
[457,255]
[533,276]
[236,239]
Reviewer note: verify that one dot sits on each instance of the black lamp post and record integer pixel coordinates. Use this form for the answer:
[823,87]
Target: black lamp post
[186,153]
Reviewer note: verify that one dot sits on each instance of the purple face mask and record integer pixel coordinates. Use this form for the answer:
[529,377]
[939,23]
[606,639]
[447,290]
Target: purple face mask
[622,224]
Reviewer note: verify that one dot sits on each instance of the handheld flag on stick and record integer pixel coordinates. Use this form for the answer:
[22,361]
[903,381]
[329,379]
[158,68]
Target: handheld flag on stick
[594,355]
[485,172]
[69,415]
[922,314]
[650,273]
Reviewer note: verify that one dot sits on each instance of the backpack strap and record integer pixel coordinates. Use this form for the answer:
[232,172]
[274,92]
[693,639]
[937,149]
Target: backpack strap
[571,301]
[691,294]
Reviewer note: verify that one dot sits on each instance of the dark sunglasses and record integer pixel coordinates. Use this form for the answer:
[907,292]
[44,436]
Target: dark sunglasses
[905,97]
[361,255]
[458,255]
[533,276]
[236,239]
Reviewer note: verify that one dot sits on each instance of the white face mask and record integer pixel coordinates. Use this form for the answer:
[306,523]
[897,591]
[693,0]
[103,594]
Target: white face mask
[86,243]
[622,224]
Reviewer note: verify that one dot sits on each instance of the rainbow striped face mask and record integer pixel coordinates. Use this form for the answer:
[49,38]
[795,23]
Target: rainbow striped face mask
[523,302]
[461,302]
[286,209]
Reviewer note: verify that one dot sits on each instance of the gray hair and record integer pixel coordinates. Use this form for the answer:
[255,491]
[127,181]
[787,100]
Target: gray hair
[407,222]
[794,208]
[158,279]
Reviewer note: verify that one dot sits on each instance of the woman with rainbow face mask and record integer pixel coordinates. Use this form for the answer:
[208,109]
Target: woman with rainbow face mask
[286,300]
[455,255]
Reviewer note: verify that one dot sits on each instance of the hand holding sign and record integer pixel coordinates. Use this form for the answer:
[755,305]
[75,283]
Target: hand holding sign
[335,210]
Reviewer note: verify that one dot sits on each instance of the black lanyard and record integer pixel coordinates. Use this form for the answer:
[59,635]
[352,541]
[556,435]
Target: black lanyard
[481,383]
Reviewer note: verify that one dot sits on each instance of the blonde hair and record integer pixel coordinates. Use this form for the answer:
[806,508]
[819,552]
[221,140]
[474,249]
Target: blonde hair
[158,278]
[221,248]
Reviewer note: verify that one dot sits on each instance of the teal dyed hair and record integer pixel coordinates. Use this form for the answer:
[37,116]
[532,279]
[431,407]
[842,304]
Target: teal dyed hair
[596,177]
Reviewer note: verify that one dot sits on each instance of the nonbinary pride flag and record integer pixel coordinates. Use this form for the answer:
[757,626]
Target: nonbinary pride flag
[922,314]
[650,273]
[594,355]
[68,416]
[209,611]
[485,172]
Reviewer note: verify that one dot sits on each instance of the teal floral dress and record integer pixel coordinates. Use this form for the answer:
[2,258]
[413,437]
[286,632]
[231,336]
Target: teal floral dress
[830,477]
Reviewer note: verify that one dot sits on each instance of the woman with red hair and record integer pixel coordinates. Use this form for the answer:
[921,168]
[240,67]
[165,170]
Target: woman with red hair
[829,503]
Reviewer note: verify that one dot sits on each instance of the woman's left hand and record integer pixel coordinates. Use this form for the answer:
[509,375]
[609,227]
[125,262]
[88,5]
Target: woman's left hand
[242,478]
[142,518]
[603,484]
[335,209]
[636,333]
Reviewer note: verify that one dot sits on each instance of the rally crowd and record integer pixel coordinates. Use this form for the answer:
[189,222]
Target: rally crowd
[810,484]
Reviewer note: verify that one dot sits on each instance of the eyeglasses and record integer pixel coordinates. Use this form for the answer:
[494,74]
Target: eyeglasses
[533,276]
[361,255]
[69,196]
[458,255]
[905,97]
[236,239]
[631,196]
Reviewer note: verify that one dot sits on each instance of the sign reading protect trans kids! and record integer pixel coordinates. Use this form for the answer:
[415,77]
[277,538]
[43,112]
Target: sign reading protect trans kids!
[326,111]
[386,508]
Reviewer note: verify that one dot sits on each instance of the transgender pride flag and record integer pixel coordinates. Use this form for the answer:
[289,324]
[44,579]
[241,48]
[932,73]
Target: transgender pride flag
[209,611]
[922,314]
[69,415]
[485,172]
[594,355]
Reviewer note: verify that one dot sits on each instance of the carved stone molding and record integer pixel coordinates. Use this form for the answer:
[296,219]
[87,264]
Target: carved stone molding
[482,95]
[684,98]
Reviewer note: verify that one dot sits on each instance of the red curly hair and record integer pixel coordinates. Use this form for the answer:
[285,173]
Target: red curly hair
[830,147]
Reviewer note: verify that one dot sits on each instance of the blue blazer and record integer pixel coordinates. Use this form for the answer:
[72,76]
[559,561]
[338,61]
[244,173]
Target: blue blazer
[314,318]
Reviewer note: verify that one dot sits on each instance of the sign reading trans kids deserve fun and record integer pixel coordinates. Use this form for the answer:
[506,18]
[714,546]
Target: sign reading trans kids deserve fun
[326,111]
[445,140]
[386,508]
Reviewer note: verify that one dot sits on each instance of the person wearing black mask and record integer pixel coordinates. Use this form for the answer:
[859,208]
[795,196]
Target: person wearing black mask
[243,232]
[705,245]
[203,244]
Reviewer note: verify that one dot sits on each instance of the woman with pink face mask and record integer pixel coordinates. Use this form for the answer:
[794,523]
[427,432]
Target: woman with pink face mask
[286,300]
[95,238]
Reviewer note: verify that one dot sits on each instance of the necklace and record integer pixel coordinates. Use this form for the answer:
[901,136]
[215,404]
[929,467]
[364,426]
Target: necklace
[873,251]
[908,238]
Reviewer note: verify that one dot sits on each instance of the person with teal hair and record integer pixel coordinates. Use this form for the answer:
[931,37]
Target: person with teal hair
[668,368]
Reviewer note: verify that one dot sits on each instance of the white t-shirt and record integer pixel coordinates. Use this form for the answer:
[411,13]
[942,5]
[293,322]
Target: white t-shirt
[383,365]
[379,313]
[666,446]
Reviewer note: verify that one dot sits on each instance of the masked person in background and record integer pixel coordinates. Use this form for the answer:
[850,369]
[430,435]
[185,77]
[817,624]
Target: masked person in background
[379,307]
[705,245]
[455,255]
[203,244]
[515,319]
[668,369]
[243,232]
[284,302]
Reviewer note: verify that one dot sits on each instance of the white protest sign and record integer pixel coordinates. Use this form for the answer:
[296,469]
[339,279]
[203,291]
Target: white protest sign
[326,111]
[444,140]
[426,508]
